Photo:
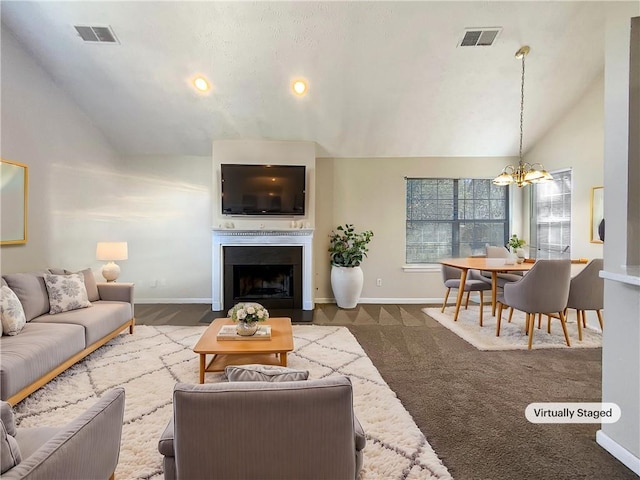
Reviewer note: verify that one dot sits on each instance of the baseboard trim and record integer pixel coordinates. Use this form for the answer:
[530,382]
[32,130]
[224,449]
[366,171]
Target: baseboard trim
[399,301]
[618,451]
[173,300]
[366,300]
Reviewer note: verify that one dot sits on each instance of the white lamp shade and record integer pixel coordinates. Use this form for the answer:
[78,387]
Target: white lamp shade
[112,251]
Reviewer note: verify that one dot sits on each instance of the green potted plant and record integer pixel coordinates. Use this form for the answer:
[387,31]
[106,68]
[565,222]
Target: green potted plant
[516,244]
[347,249]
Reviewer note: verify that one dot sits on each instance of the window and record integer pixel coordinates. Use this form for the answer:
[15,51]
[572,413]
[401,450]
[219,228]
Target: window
[449,217]
[551,217]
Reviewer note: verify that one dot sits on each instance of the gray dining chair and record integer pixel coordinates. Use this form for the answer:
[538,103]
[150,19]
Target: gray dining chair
[543,290]
[503,278]
[451,279]
[586,292]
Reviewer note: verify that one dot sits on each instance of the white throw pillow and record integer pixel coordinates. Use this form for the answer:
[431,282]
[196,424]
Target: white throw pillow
[66,292]
[11,312]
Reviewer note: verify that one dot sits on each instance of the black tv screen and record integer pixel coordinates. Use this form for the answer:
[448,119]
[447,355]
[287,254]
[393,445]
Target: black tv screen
[263,189]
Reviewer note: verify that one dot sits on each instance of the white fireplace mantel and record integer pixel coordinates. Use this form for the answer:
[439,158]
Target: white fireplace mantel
[224,237]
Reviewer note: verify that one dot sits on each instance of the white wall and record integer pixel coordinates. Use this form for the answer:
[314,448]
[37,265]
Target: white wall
[621,337]
[81,192]
[370,193]
[70,167]
[164,213]
[577,142]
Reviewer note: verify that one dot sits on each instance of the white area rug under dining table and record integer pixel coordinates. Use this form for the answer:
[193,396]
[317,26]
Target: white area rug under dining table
[149,363]
[512,335]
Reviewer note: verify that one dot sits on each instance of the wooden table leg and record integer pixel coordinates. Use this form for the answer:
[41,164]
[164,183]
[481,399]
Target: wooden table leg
[494,291]
[463,281]
[283,359]
[203,358]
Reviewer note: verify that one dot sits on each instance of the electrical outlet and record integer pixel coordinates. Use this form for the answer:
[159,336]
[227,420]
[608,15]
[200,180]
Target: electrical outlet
[379,282]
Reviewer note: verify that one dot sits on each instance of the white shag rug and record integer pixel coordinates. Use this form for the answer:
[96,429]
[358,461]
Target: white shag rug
[512,335]
[149,362]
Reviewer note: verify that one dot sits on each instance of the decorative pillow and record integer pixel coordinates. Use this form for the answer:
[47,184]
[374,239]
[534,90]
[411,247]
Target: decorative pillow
[89,281]
[66,292]
[32,292]
[264,373]
[11,312]
[9,450]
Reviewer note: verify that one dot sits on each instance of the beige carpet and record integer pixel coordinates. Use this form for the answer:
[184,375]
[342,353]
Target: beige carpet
[512,335]
[149,363]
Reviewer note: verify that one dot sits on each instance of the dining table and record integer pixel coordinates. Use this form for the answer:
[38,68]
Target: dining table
[493,265]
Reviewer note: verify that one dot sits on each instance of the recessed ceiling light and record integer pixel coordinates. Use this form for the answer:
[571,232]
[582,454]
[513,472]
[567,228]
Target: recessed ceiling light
[299,87]
[201,84]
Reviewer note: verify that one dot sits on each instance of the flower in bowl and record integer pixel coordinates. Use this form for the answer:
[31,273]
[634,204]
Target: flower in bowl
[248,312]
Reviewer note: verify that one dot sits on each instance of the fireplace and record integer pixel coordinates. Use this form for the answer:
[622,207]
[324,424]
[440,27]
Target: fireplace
[269,275]
[276,274]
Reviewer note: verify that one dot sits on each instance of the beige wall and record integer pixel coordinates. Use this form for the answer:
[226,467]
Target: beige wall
[370,193]
[577,142]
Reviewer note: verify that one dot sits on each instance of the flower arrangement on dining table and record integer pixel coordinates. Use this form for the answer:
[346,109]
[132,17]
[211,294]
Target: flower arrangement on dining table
[248,313]
[515,243]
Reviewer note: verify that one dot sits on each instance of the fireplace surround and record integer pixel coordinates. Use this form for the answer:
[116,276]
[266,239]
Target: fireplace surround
[275,260]
[270,275]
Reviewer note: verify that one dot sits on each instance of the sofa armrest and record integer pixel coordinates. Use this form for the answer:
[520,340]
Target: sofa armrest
[8,418]
[165,444]
[117,292]
[87,447]
[361,439]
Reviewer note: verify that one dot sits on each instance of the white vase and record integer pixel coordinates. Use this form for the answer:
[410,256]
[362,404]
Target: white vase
[346,283]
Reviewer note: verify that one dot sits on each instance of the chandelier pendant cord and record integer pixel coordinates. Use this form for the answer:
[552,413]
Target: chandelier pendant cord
[521,108]
[524,173]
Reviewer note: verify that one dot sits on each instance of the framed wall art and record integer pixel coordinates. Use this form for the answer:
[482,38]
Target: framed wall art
[14,183]
[597,215]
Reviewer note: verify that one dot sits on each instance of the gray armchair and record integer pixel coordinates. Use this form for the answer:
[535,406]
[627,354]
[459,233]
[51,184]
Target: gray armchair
[543,290]
[586,292]
[263,430]
[86,448]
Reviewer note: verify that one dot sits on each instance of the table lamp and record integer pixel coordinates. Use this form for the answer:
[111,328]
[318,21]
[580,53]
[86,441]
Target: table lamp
[111,251]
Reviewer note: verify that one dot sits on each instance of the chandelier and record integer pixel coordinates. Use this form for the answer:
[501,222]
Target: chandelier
[524,173]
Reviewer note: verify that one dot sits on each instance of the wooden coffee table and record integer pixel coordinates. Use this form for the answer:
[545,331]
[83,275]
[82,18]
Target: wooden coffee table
[242,352]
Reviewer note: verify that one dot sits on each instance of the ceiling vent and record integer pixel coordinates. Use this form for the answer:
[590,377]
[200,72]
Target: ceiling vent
[479,37]
[96,34]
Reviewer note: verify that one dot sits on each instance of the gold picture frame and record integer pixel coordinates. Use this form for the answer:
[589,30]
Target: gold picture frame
[597,213]
[14,192]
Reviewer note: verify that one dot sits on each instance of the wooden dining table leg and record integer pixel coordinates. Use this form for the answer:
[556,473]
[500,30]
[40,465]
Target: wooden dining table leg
[463,281]
[494,292]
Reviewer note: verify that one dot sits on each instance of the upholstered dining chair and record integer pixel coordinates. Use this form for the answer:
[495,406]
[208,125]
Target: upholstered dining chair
[451,279]
[503,278]
[544,290]
[586,292]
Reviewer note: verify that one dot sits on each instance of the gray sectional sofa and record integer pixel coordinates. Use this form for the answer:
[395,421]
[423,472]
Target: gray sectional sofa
[49,344]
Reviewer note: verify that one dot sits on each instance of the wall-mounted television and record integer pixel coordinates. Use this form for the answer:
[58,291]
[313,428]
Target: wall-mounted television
[263,189]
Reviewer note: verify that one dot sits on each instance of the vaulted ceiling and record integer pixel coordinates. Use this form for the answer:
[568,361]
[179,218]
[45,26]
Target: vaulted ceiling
[386,79]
